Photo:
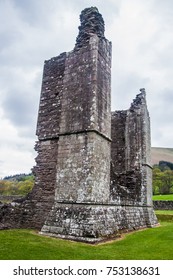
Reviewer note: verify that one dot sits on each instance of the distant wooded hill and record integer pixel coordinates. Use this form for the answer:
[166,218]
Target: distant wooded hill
[161,154]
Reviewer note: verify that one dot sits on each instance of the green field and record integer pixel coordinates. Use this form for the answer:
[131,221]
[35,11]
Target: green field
[163,197]
[149,244]
[165,215]
[164,212]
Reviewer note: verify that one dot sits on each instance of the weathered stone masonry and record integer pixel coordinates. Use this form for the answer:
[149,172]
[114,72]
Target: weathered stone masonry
[93,171]
[163,204]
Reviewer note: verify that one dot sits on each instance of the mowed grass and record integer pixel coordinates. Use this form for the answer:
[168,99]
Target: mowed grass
[163,197]
[149,244]
[165,215]
[164,212]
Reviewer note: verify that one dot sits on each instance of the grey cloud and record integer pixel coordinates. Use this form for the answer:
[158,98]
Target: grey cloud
[162,108]
[20,102]
[164,9]
[27,42]
[7,39]
[37,13]
[38,30]
[168,95]
[125,88]
[163,58]
[17,108]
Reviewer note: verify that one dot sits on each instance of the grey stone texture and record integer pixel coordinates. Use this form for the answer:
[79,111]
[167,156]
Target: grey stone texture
[93,171]
[131,171]
[163,204]
[10,197]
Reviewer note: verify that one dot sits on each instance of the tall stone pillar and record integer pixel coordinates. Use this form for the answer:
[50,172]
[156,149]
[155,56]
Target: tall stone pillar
[82,123]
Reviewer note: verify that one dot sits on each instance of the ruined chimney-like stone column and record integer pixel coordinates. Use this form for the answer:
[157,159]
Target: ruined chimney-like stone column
[93,176]
[83,128]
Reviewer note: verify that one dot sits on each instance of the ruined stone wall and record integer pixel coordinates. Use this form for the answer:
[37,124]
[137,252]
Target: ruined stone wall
[32,210]
[86,204]
[83,169]
[93,222]
[86,101]
[131,172]
[10,197]
[163,204]
[118,145]
[51,98]
[93,173]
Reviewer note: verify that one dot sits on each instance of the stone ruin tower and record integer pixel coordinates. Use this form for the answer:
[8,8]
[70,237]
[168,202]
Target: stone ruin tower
[93,172]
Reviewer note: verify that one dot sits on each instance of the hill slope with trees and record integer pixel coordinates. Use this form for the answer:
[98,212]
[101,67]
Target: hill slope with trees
[159,154]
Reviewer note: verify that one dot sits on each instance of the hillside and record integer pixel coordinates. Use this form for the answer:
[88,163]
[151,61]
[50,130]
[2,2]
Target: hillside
[158,154]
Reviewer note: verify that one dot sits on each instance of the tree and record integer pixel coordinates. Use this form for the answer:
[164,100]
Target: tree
[24,187]
[20,186]
[167,182]
[162,180]
[165,165]
[157,183]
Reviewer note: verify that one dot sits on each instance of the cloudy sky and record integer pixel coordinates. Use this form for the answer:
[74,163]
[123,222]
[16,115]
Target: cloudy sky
[32,31]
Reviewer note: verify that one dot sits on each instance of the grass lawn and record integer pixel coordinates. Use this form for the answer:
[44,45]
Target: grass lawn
[163,197]
[164,212]
[165,215]
[149,244]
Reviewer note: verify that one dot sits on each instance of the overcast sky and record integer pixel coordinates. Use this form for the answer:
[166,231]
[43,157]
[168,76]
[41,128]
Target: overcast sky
[32,31]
